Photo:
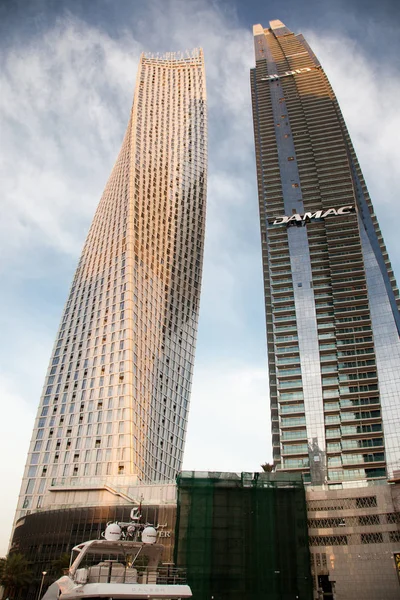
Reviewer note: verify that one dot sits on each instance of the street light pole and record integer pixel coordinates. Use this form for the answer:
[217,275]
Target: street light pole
[41,584]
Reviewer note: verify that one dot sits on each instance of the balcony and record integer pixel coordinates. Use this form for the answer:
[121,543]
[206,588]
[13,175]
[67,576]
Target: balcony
[292,422]
[290,383]
[287,409]
[362,459]
[292,435]
[297,449]
[109,571]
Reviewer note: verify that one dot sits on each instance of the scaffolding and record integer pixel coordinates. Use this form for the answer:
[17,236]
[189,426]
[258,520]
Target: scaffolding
[243,536]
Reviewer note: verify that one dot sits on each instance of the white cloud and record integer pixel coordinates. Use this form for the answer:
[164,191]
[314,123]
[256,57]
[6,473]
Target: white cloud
[63,111]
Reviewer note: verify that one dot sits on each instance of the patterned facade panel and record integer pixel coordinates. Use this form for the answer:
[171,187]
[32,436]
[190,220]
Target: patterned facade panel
[353,538]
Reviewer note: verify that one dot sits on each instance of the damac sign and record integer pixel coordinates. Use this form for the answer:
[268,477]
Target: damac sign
[307,217]
[286,74]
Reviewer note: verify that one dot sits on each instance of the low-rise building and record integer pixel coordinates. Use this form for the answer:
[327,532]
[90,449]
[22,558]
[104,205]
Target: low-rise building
[238,534]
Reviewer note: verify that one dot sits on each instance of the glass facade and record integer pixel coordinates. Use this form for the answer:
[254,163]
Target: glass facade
[332,305]
[116,395]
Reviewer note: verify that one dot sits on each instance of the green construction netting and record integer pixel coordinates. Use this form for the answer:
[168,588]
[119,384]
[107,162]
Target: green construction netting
[243,537]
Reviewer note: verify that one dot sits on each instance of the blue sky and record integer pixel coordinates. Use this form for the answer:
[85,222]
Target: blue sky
[66,88]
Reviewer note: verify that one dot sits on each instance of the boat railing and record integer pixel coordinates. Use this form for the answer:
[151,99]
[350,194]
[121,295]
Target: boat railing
[170,575]
[115,572]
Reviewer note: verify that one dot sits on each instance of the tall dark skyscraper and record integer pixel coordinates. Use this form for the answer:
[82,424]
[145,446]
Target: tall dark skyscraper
[116,395]
[332,305]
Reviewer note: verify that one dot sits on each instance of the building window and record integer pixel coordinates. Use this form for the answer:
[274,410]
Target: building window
[30,486]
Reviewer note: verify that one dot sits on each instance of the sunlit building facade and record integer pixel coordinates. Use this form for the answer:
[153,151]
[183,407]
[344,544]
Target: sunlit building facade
[116,396]
[332,305]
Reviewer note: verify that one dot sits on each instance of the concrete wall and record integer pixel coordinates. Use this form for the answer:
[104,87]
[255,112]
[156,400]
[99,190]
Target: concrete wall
[71,494]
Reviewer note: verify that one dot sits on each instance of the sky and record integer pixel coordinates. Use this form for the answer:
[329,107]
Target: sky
[66,86]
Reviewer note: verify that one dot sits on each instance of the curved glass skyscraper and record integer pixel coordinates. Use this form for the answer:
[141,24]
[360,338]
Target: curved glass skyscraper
[116,395]
[332,304]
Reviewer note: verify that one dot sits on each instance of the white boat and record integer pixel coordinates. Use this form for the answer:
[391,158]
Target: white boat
[115,568]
